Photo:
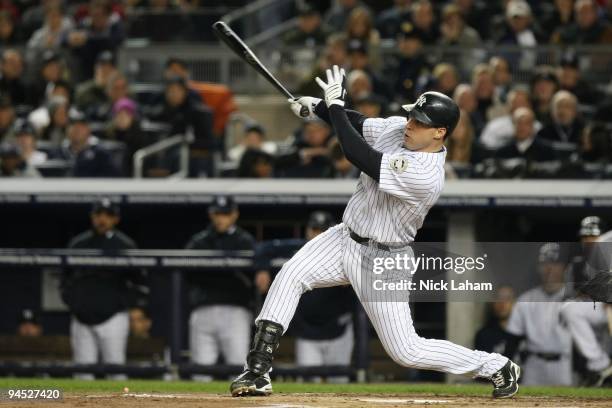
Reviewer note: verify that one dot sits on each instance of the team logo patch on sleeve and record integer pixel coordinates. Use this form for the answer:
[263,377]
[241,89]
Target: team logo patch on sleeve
[398,163]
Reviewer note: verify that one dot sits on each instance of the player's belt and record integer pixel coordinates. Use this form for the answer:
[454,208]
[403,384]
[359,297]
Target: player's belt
[365,241]
[545,356]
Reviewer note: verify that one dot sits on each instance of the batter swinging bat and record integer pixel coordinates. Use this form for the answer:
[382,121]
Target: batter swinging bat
[231,39]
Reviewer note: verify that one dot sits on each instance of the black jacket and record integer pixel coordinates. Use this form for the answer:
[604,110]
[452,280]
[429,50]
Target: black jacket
[227,286]
[539,151]
[95,295]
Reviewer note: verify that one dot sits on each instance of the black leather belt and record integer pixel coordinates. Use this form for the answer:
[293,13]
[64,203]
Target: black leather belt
[546,356]
[365,241]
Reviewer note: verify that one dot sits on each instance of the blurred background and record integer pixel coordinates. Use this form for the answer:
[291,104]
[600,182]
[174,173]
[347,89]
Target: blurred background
[192,150]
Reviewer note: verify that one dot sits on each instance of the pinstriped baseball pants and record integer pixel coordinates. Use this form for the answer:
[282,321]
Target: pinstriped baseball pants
[332,259]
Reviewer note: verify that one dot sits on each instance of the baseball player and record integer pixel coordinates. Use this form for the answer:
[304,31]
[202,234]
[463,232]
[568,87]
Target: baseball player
[402,165]
[582,316]
[536,319]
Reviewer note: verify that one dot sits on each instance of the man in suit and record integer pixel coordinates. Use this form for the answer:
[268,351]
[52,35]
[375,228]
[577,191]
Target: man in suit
[525,144]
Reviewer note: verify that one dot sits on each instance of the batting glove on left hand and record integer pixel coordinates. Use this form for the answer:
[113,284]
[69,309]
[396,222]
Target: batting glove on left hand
[334,88]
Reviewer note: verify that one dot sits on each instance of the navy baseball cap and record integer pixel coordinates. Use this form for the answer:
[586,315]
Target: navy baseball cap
[551,252]
[24,127]
[320,220]
[105,205]
[591,226]
[223,204]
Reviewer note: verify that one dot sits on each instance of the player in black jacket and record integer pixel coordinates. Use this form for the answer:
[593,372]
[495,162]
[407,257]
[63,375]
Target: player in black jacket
[221,301]
[99,299]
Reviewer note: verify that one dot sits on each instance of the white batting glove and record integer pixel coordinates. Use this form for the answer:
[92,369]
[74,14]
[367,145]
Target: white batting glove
[304,107]
[334,88]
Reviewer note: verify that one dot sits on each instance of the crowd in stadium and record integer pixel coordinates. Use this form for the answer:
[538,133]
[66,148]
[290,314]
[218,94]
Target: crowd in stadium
[64,99]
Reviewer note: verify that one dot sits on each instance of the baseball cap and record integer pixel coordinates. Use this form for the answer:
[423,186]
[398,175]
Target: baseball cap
[254,127]
[125,104]
[105,205]
[75,115]
[320,220]
[23,127]
[518,8]
[306,9]
[356,45]
[50,56]
[551,252]
[223,204]
[544,73]
[105,57]
[408,30]
[29,316]
[590,226]
[569,59]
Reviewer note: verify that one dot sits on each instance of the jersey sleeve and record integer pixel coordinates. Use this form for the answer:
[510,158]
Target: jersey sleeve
[516,322]
[405,177]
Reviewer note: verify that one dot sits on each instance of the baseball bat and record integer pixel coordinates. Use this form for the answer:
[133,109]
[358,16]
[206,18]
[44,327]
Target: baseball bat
[231,39]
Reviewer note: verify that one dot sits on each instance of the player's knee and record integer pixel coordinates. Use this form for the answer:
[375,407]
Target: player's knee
[294,275]
[407,355]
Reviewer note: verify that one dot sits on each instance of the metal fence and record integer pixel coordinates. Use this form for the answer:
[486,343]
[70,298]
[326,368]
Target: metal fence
[294,65]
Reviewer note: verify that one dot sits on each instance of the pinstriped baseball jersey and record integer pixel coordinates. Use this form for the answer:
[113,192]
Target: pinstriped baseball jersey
[410,183]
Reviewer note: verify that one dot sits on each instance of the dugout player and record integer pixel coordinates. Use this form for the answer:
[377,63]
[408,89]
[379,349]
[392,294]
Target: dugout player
[582,317]
[99,299]
[402,165]
[221,301]
[547,358]
[323,324]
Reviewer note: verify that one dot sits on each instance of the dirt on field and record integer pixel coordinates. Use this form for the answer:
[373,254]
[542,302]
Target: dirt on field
[91,400]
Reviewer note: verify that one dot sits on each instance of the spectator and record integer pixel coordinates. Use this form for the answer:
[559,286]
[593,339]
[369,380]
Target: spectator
[596,143]
[56,27]
[29,324]
[492,337]
[465,98]
[461,142]
[221,301]
[99,300]
[338,15]
[184,115]
[25,139]
[588,28]
[544,84]
[560,18]
[254,138]
[81,149]
[444,79]
[360,60]
[569,76]
[12,164]
[309,155]
[256,163]
[566,125]
[9,35]
[520,29]
[7,120]
[125,127]
[502,77]
[92,93]
[360,26]
[34,16]
[370,106]
[536,318]
[343,169]
[424,20]
[454,30]
[52,70]
[140,323]
[11,81]
[40,117]
[309,32]
[177,67]
[101,31]
[411,64]
[484,89]
[117,88]
[525,144]
[359,85]
[390,20]
[335,53]
[476,15]
[58,108]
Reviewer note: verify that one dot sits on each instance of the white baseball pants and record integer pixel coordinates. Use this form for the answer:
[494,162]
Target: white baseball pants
[332,259]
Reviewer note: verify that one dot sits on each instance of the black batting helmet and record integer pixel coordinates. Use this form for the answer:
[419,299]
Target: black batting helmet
[435,109]
[590,226]
[320,220]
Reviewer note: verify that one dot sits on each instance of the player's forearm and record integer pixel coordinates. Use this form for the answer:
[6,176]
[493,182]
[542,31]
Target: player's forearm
[356,149]
[355,118]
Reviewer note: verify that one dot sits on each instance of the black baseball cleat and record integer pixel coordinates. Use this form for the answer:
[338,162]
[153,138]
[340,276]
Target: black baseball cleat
[598,378]
[250,384]
[505,381]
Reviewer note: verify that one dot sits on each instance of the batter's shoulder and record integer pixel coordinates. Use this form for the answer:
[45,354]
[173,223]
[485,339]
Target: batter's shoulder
[80,240]
[128,242]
